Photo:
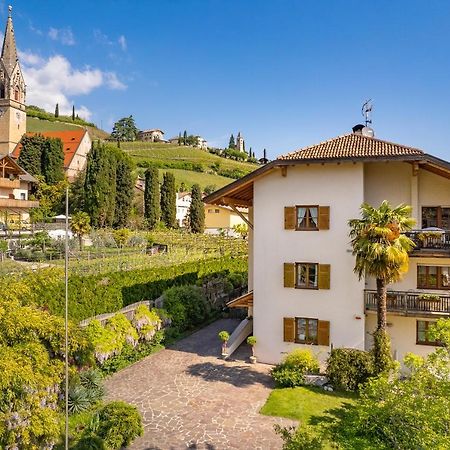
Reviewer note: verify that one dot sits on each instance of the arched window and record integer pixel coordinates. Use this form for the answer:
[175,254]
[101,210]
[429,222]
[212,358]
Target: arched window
[16,94]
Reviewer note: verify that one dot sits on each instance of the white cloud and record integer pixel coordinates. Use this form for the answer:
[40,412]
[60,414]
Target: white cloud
[54,80]
[63,35]
[122,42]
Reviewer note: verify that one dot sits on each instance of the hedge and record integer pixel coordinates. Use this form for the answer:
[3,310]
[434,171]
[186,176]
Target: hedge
[97,294]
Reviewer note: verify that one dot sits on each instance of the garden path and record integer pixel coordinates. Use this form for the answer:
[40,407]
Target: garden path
[190,398]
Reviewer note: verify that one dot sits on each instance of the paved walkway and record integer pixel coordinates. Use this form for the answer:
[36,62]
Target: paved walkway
[190,398]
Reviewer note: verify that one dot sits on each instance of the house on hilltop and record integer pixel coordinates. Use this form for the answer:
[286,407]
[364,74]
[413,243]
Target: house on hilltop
[154,135]
[302,288]
[76,146]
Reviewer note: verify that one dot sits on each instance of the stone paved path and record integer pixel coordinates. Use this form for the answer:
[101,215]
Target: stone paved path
[190,398]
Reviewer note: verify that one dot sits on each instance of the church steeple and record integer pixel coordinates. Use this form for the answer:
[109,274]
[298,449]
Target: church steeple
[12,93]
[9,51]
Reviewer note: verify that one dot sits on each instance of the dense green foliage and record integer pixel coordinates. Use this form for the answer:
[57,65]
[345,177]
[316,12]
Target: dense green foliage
[108,186]
[186,306]
[124,130]
[80,225]
[101,293]
[197,211]
[124,190]
[42,156]
[151,198]
[168,201]
[51,200]
[300,438]
[292,370]
[119,424]
[349,368]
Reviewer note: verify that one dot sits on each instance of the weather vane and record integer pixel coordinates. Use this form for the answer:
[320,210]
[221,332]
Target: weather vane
[366,111]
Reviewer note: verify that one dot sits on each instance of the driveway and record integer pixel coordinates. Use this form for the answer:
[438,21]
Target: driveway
[190,398]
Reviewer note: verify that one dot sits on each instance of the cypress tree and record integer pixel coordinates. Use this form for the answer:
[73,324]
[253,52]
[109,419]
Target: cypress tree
[52,160]
[197,211]
[232,142]
[57,110]
[151,197]
[31,154]
[73,112]
[124,190]
[100,186]
[185,137]
[179,138]
[168,200]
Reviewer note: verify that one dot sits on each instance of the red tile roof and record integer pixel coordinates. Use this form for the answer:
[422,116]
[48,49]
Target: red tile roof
[351,146]
[71,140]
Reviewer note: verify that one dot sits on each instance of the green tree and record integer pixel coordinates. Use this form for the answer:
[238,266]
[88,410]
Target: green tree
[57,110]
[381,251]
[80,225]
[51,200]
[232,142]
[73,113]
[168,200]
[185,137]
[124,189]
[121,236]
[197,211]
[151,197]
[76,193]
[30,158]
[124,130]
[52,160]
[3,249]
[100,185]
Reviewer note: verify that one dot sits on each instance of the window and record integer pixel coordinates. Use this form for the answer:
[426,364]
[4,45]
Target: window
[422,331]
[306,330]
[22,196]
[433,277]
[436,216]
[306,276]
[307,217]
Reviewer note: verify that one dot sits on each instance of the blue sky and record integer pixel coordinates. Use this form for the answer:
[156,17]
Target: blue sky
[285,73]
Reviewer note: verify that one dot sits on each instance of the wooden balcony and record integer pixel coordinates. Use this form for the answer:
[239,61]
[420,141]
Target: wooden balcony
[410,304]
[9,184]
[14,204]
[435,243]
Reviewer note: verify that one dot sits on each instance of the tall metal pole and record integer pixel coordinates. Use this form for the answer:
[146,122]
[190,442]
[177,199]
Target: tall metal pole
[66,320]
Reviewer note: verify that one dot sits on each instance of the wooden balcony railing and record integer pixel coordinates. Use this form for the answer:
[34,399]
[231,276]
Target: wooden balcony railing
[14,203]
[429,241]
[9,184]
[410,303]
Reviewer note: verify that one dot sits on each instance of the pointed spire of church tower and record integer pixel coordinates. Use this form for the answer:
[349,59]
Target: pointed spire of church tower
[9,51]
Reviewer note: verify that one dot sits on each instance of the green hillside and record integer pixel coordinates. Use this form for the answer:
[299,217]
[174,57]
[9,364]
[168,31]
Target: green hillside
[190,165]
[36,125]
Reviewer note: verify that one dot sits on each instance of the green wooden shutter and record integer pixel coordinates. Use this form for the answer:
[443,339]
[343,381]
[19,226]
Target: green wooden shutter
[324,217]
[289,217]
[324,276]
[323,332]
[289,329]
[289,275]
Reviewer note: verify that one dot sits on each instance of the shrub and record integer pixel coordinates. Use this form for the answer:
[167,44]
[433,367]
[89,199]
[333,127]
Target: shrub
[382,352]
[291,372]
[224,336]
[78,399]
[123,329]
[302,438]
[119,424]
[89,442]
[92,381]
[236,279]
[349,368]
[187,306]
[105,341]
[146,322]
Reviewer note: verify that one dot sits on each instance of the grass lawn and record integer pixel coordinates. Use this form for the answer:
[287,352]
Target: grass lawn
[305,404]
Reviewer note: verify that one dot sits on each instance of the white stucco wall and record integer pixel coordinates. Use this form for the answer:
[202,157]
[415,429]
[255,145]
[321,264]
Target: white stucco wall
[402,331]
[79,160]
[341,188]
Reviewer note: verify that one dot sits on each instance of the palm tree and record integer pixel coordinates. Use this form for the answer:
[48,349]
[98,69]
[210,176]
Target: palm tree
[381,251]
[80,225]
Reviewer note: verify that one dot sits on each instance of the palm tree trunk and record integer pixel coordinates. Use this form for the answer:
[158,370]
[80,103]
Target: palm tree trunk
[381,304]
[80,241]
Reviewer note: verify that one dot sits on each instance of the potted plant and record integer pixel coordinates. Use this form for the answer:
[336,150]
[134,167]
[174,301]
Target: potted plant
[430,297]
[251,340]
[224,336]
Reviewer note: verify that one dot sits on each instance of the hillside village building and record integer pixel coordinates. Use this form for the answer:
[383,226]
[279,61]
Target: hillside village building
[302,288]
[76,146]
[15,182]
[183,202]
[154,135]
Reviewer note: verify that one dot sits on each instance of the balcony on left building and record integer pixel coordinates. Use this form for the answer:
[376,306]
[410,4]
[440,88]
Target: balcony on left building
[15,186]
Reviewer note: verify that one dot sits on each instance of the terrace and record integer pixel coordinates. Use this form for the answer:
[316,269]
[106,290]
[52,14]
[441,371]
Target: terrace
[411,303]
[433,242]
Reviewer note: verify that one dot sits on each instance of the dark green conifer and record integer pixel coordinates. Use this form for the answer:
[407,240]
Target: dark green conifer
[168,200]
[197,211]
[151,197]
